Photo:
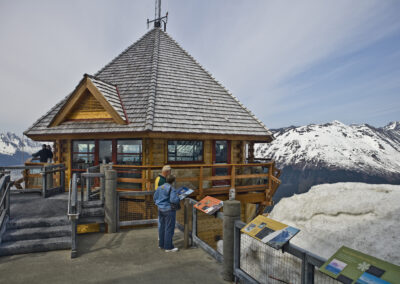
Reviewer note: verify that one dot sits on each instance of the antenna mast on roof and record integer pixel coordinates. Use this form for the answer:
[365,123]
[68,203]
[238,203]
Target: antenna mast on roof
[157,17]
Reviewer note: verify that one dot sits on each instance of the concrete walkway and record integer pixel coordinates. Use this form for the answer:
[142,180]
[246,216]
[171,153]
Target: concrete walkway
[30,205]
[131,256]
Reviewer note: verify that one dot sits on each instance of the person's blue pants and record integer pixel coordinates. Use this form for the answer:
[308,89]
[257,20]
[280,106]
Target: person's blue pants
[166,228]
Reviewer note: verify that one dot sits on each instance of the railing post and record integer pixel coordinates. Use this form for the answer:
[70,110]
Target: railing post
[44,182]
[87,186]
[7,204]
[49,176]
[74,204]
[194,223]
[102,182]
[148,182]
[74,252]
[231,214]
[236,249]
[62,178]
[110,206]
[309,271]
[270,173]
[186,224]
[201,193]
[232,194]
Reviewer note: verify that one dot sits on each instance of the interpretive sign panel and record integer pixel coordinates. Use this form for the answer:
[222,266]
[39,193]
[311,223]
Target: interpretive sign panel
[350,266]
[184,192]
[209,205]
[270,232]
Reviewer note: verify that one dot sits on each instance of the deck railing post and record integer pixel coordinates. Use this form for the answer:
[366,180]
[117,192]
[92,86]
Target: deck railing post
[309,271]
[236,249]
[231,214]
[110,206]
[186,224]
[87,194]
[44,182]
[62,179]
[194,223]
[7,201]
[233,183]
[201,193]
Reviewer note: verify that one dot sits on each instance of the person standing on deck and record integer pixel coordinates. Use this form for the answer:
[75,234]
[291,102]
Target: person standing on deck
[50,154]
[166,198]
[42,154]
[160,180]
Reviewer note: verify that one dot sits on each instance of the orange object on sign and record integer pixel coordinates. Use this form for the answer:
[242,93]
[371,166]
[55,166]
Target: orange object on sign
[209,205]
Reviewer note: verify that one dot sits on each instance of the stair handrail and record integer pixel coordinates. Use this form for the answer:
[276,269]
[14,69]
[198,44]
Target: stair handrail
[5,202]
[73,212]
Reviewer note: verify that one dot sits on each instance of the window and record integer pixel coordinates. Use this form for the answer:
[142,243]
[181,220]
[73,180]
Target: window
[185,151]
[129,152]
[83,154]
[105,151]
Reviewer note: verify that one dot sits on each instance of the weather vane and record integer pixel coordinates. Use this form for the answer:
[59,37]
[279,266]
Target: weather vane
[157,17]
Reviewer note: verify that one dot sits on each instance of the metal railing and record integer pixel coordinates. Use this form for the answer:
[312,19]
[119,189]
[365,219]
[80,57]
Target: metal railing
[301,264]
[196,240]
[136,208]
[73,212]
[309,262]
[4,203]
[75,206]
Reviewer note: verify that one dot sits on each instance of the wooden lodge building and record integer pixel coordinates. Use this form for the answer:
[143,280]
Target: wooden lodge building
[153,105]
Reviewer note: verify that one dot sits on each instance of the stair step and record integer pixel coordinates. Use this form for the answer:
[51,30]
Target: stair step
[38,245]
[92,212]
[92,204]
[37,233]
[91,220]
[37,222]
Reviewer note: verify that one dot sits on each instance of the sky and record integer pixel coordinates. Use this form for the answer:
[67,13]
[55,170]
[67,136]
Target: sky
[290,62]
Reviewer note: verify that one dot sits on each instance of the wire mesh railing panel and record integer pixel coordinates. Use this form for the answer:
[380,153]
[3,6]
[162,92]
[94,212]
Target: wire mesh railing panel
[209,229]
[266,264]
[322,278]
[132,208]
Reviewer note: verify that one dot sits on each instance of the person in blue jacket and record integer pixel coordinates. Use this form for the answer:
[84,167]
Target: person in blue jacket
[164,196]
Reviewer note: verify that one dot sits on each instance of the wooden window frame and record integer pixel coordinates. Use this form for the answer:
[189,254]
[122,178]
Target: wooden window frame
[95,153]
[185,162]
[115,150]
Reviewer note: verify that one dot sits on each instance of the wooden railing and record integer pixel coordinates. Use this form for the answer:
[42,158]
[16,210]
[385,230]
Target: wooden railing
[250,177]
[47,179]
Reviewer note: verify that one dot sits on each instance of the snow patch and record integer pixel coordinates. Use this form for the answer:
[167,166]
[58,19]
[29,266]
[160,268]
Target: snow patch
[362,216]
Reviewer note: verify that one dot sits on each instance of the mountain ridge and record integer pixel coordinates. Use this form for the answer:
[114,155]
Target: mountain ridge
[14,150]
[333,152]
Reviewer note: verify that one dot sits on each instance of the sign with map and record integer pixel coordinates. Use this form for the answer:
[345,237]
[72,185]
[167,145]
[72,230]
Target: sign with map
[350,266]
[270,232]
[209,205]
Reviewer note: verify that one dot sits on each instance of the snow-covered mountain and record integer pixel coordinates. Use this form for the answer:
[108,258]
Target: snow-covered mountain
[334,152]
[15,149]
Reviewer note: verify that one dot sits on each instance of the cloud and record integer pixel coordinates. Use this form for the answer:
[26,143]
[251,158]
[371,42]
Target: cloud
[283,59]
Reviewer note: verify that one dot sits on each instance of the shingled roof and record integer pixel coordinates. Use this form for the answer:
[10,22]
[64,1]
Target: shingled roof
[162,89]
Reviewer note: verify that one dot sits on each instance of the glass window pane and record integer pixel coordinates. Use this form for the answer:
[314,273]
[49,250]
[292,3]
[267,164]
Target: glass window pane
[221,151]
[129,146]
[185,151]
[129,152]
[83,146]
[105,151]
[82,161]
